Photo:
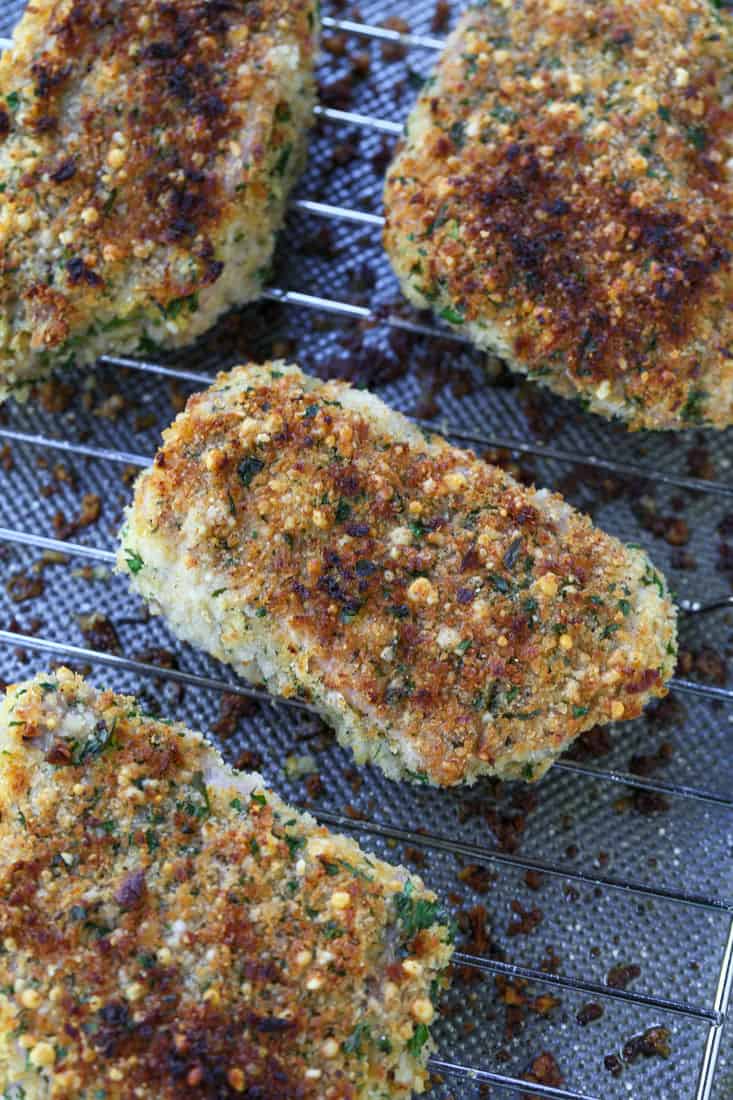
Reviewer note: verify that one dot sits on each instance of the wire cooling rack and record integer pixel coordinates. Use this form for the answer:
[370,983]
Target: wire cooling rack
[595,910]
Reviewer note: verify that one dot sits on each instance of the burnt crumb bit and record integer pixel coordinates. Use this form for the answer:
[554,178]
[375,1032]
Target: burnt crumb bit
[395,51]
[523,921]
[551,961]
[620,976]
[335,44]
[232,708]
[90,510]
[314,786]
[589,1013]
[533,879]
[704,664]
[441,15]
[543,1070]
[678,532]
[591,745]
[473,924]
[613,1064]
[249,760]
[643,802]
[477,877]
[646,764]
[99,632]
[653,1043]
[22,587]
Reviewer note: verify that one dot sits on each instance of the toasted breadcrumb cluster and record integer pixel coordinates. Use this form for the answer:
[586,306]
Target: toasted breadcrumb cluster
[146,152]
[169,927]
[446,620]
[563,193]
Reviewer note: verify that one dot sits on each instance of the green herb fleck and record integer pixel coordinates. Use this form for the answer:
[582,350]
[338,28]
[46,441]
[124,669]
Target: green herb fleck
[453,316]
[343,511]
[360,1035]
[248,468]
[282,161]
[418,1039]
[134,561]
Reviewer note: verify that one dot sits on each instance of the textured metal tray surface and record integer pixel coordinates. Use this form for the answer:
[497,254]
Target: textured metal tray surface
[621,869]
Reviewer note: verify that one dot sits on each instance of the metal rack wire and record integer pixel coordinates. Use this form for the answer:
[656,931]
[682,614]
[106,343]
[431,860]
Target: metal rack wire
[708,1014]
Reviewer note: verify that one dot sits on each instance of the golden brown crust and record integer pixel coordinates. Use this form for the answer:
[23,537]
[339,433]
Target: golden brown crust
[144,147]
[564,190]
[168,928]
[471,623]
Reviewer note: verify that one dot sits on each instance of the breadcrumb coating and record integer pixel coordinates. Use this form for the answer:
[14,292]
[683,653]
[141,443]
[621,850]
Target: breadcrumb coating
[447,621]
[147,148]
[563,193]
[171,928]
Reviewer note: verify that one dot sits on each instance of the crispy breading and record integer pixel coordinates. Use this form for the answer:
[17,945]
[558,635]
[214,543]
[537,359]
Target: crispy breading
[147,148]
[447,621]
[169,927]
[563,195]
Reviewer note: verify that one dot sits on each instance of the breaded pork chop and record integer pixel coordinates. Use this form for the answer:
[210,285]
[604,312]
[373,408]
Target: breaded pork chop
[147,148]
[447,621]
[563,194]
[172,929]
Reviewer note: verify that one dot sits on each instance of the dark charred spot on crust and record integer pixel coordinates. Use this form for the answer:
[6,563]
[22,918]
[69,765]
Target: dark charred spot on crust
[554,260]
[199,1048]
[49,78]
[178,86]
[78,273]
[65,170]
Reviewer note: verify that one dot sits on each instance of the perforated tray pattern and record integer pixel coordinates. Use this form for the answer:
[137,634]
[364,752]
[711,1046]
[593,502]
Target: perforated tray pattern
[634,870]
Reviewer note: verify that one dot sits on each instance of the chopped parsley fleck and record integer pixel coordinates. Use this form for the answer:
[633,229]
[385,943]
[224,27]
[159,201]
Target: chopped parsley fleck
[693,407]
[134,561]
[452,316]
[698,137]
[248,468]
[282,161]
[294,843]
[358,1039]
[418,1039]
[198,784]
[174,308]
[414,914]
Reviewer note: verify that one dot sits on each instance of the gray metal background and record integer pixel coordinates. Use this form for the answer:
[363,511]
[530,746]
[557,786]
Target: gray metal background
[621,886]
